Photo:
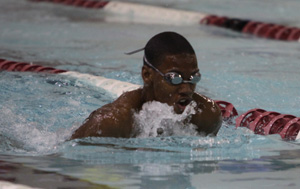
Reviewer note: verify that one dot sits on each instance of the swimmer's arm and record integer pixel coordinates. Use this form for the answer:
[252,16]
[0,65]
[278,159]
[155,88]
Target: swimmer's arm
[208,118]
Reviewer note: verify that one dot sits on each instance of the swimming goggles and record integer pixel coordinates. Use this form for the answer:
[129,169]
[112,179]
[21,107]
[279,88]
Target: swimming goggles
[175,78]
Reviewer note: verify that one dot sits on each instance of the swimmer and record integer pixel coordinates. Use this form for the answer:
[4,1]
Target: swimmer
[170,74]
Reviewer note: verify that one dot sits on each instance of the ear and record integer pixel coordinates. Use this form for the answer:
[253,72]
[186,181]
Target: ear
[147,75]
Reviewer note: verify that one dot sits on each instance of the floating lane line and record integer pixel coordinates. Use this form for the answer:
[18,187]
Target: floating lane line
[152,14]
[136,13]
[115,87]
[148,14]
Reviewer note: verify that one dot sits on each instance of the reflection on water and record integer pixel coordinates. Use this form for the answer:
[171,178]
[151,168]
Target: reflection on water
[279,169]
[17,173]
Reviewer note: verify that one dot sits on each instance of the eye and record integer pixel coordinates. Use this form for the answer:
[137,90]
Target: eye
[172,75]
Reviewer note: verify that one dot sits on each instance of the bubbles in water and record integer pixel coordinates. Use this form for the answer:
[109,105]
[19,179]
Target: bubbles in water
[159,119]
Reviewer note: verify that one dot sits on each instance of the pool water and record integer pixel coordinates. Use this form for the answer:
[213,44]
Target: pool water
[40,111]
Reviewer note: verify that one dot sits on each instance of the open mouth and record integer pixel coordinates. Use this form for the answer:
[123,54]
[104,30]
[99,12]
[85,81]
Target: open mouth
[182,103]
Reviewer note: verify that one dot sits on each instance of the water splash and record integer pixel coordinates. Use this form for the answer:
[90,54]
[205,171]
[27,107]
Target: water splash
[159,119]
[40,111]
[18,136]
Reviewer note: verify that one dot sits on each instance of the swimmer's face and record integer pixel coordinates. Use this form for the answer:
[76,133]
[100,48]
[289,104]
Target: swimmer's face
[178,96]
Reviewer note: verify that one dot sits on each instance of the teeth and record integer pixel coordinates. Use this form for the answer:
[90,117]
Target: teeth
[184,102]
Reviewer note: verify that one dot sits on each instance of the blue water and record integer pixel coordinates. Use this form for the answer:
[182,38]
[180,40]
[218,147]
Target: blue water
[39,112]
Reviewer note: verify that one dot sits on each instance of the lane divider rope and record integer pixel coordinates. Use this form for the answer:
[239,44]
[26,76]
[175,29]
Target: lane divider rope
[79,3]
[260,29]
[265,122]
[24,67]
[258,120]
[160,15]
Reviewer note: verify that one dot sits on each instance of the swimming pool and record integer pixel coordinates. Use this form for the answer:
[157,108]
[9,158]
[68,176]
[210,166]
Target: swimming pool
[40,111]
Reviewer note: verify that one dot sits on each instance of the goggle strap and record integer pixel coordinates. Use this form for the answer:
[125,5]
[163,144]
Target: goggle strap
[135,51]
[153,67]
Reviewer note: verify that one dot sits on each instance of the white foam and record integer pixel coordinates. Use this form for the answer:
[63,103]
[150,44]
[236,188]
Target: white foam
[155,115]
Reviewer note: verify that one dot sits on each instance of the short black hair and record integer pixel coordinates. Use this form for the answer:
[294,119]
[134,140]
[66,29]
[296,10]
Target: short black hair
[166,43]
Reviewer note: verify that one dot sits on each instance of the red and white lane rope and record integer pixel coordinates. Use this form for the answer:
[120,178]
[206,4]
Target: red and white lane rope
[24,67]
[115,87]
[267,122]
[151,14]
[260,29]
[79,3]
[258,120]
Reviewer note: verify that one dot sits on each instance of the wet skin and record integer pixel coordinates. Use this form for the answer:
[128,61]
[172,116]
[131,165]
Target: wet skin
[116,119]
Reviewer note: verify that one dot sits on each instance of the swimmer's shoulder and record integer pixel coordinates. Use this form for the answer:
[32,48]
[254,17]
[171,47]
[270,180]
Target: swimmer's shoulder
[113,119]
[130,100]
[116,119]
[203,99]
[206,103]
[208,118]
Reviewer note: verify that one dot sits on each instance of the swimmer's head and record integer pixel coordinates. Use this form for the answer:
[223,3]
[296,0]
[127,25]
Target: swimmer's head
[166,43]
[170,70]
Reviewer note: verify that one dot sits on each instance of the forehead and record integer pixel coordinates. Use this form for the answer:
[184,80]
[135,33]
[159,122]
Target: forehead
[181,62]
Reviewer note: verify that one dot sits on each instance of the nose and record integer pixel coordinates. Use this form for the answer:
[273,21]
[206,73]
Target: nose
[186,89]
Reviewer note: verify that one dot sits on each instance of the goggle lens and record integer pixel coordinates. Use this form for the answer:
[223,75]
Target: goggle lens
[176,79]
[196,78]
